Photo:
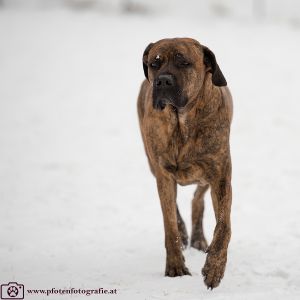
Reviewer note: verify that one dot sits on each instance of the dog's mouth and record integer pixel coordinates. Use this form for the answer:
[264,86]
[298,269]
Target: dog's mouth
[160,103]
[173,97]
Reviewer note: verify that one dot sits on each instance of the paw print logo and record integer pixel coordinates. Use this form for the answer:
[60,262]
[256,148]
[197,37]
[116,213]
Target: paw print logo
[12,291]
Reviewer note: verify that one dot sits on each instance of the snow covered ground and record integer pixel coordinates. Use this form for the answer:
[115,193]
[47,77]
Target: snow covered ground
[79,207]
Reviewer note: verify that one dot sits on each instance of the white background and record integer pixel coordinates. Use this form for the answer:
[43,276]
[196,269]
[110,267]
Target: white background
[78,204]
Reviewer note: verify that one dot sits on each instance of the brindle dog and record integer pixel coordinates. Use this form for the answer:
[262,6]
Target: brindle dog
[185,112]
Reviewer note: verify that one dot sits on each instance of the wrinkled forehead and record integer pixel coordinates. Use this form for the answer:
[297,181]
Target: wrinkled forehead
[169,48]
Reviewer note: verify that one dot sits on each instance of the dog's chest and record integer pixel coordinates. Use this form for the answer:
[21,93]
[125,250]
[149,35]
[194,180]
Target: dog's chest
[184,127]
[174,145]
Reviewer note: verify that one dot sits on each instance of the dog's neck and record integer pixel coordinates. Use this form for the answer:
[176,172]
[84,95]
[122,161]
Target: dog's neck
[201,110]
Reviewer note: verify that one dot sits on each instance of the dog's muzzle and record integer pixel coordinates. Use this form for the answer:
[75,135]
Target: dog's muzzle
[166,91]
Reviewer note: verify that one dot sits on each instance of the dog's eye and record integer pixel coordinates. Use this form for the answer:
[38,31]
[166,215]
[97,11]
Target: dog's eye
[184,63]
[180,60]
[155,64]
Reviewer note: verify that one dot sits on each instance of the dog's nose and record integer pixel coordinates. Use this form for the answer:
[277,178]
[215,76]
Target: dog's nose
[165,80]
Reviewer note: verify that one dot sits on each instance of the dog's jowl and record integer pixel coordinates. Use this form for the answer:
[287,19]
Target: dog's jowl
[185,111]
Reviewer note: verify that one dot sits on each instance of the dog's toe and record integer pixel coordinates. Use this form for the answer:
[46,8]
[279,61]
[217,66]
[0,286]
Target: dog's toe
[177,270]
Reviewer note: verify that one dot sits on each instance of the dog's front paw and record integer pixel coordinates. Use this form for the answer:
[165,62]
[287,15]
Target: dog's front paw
[214,268]
[176,267]
[173,271]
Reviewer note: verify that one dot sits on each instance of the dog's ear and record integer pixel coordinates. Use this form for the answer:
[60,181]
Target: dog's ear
[210,61]
[145,59]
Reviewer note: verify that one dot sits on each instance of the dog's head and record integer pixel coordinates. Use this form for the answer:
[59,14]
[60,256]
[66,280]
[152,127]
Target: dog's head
[176,68]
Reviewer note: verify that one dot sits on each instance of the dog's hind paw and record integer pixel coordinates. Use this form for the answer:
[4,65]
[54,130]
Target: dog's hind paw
[200,244]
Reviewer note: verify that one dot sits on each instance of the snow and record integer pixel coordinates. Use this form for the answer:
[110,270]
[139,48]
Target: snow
[79,206]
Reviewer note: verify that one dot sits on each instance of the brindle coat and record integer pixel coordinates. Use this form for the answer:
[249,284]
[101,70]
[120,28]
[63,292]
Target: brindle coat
[185,117]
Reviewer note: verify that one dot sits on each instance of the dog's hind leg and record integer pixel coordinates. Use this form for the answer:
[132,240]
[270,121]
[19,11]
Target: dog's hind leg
[198,240]
[182,229]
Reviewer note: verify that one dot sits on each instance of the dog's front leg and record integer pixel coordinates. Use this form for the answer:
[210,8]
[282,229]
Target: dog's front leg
[214,268]
[167,193]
